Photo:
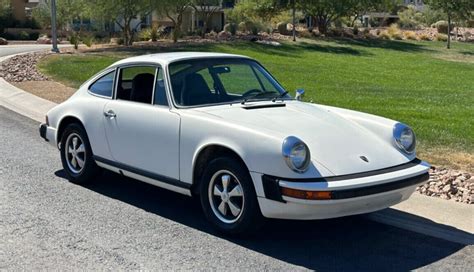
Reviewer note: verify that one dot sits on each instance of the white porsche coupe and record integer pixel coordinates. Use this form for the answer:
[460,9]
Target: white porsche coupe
[221,128]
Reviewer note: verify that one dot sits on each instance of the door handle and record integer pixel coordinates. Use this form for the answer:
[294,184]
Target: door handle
[110,114]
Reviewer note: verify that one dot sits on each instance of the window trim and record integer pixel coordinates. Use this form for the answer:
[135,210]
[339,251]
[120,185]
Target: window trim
[141,64]
[99,77]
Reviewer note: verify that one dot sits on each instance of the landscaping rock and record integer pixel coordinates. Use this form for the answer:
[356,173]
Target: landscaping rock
[450,185]
[22,68]
[3,41]
[44,40]
[223,35]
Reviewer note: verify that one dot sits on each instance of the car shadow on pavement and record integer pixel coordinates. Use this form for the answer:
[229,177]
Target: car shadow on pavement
[350,243]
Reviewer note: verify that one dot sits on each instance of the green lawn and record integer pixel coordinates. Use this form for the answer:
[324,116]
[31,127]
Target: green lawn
[419,83]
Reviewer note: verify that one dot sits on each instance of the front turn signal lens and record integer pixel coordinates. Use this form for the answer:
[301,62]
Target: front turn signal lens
[310,195]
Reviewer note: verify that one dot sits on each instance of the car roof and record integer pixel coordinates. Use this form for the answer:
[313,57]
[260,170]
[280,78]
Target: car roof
[166,58]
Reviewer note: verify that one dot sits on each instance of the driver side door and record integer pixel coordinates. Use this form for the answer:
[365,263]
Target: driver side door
[142,132]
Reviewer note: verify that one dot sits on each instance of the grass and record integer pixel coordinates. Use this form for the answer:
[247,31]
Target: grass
[419,83]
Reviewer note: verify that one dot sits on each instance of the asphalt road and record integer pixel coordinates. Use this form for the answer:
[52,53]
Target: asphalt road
[117,223]
[6,50]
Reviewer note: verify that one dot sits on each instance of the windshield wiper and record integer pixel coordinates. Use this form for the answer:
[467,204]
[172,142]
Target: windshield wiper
[279,96]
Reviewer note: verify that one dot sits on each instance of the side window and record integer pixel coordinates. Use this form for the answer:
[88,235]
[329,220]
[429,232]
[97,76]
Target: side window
[136,84]
[160,91]
[104,85]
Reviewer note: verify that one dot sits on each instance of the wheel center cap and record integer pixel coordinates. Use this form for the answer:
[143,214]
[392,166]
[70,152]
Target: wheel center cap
[225,196]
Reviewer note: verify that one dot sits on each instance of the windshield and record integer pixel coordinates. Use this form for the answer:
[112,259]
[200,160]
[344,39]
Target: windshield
[222,80]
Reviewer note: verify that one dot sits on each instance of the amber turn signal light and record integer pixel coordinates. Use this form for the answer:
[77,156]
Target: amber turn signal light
[310,195]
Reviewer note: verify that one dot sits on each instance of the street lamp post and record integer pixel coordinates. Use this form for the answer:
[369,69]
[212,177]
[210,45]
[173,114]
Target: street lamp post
[54,35]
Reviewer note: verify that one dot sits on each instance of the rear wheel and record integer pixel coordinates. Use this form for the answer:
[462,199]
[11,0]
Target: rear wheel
[76,155]
[228,197]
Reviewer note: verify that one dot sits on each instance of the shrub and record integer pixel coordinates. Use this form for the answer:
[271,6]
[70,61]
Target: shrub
[385,35]
[441,37]
[410,18]
[355,30]
[147,34]
[246,26]
[282,28]
[23,35]
[410,35]
[88,40]
[254,30]
[397,36]
[425,37]
[306,34]
[336,32]
[231,28]
[74,40]
[241,27]
[33,36]
[120,41]
[442,27]
[393,30]
[369,35]
[470,23]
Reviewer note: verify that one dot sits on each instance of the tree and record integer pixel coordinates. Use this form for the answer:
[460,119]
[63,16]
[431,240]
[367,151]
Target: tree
[66,12]
[122,12]
[326,11]
[206,8]
[174,10]
[460,9]
[5,14]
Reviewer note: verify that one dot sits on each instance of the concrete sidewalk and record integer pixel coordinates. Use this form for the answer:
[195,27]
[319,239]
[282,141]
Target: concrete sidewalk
[427,215]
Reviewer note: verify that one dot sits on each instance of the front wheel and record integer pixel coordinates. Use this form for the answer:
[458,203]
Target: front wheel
[76,155]
[228,197]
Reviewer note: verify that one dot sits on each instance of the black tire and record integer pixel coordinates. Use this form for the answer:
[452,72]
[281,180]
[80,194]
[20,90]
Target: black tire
[89,170]
[250,218]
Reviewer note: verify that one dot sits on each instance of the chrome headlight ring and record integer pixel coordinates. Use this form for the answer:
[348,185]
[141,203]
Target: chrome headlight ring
[296,154]
[404,138]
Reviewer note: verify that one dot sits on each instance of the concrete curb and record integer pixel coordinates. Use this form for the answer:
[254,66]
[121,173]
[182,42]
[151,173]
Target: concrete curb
[426,215]
[447,220]
[23,102]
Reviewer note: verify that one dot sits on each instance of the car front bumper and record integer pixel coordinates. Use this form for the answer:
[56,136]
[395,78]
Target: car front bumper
[48,134]
[348,195]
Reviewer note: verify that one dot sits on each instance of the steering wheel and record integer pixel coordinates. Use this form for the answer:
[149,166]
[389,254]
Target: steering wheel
[251,92]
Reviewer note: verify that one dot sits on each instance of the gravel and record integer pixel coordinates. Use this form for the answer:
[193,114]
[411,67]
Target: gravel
[22,68]
[449,184]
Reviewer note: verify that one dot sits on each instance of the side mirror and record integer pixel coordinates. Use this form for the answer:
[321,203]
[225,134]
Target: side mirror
[299,94]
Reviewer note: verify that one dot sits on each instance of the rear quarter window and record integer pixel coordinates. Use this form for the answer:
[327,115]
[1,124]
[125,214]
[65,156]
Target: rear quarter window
[104,85]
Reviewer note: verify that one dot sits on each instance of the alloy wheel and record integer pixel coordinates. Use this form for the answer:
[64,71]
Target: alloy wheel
[226,196]
[75,153]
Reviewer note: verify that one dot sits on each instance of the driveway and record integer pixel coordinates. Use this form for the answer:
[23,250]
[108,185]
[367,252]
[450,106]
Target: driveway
[117,223]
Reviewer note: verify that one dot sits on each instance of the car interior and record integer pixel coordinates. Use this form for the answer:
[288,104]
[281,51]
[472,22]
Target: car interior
[136,84]
[213,81]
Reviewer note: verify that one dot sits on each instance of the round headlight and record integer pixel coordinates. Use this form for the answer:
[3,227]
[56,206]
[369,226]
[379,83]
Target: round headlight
[404,138]
[296,154]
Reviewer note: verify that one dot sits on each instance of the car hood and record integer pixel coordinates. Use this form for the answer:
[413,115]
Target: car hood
[339,144]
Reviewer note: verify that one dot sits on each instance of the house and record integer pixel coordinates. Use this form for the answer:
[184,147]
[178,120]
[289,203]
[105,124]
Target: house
[193,19]
[390,18]
[21,9]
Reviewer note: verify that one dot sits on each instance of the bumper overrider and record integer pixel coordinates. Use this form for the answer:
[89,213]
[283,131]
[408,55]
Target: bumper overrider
[48,133]
[328,197]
